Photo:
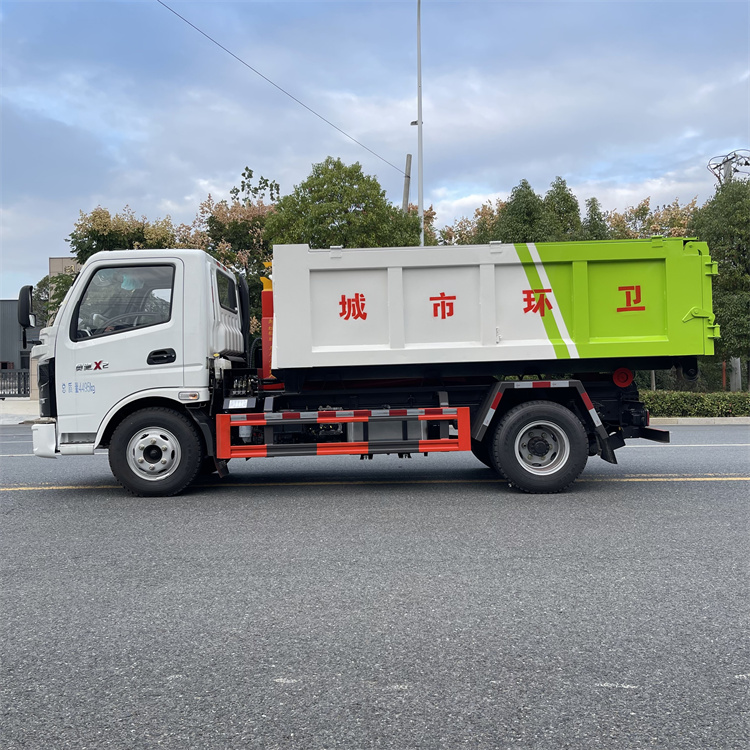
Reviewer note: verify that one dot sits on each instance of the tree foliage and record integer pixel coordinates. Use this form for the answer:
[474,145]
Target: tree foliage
[561,214]
[99,230]
[641,221]
[430,235]
[524,217]
[724,223]
[340,205]
[40,302]
[594,225]
[234,231]
[630,223]
[520,219]
[48,295]
[672,220]
[556,217]
[476,230]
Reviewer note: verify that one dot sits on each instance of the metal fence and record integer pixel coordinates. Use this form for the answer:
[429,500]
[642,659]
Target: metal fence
[15,383]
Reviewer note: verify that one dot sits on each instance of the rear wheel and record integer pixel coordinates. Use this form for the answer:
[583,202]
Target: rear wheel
[155,452]
[540,447]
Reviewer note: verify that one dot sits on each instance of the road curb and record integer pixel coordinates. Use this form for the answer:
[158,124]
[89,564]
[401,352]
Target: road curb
[699,420]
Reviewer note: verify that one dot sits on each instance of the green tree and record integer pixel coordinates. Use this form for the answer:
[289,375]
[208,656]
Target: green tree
[525,217]
[594,225]
[340,205]
[40,302]
[48,295]
[99,230]
[521,219]
[561,218]
[724,223]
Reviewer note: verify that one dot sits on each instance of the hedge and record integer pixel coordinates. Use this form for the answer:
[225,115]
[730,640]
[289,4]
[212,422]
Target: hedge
[685,404]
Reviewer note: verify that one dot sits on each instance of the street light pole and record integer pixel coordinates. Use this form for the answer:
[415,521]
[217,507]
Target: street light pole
[420,183]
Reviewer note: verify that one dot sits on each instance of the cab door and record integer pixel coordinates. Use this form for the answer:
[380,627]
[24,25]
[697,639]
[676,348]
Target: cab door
[123,336]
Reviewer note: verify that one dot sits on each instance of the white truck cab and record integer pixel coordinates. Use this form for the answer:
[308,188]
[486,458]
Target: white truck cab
[132,329]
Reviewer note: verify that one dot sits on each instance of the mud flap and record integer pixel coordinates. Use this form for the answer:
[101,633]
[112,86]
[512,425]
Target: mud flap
[202,421]
[608,444]
[221,467]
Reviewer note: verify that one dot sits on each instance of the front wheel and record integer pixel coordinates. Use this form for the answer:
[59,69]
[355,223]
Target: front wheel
[155,452]
[540,447]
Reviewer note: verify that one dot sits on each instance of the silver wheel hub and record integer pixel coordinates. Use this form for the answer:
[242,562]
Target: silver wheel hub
[542,447]
[153,453]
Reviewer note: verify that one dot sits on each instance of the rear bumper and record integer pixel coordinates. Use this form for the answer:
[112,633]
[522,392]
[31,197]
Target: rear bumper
[651,433]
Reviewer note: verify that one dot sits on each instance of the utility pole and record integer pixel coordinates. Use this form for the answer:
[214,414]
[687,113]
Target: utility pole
[724,168]
[407,183]
[420,157]
[735,365]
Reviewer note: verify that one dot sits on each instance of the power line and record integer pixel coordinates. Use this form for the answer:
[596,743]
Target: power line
[275,85]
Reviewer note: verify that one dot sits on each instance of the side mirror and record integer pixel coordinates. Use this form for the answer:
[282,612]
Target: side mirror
[26,318]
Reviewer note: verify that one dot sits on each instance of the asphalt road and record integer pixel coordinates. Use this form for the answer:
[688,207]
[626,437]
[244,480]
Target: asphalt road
[336,603]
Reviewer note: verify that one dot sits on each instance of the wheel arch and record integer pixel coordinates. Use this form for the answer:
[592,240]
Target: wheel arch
[123,411]
[506,395]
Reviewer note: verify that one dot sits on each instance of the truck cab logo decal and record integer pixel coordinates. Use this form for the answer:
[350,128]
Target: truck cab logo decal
[86,366]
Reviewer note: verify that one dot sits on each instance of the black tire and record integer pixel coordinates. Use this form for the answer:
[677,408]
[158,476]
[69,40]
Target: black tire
[540,447]
[481,450]
[155,452]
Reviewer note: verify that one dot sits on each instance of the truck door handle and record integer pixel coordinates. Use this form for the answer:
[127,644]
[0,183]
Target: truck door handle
[161,357]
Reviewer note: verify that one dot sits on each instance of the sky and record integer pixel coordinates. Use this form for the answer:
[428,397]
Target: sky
[123,103]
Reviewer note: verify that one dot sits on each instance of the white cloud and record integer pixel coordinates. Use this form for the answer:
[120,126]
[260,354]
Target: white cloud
[619,116]
[31,232]
[94,103]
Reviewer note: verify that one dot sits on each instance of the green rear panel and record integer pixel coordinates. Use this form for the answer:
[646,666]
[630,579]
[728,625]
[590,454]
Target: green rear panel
[630,297]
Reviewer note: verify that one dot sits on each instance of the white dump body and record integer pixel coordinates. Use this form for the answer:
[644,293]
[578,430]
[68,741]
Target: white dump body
[412,305]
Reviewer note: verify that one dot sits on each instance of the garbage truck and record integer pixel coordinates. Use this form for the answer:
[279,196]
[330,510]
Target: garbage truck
[523,354]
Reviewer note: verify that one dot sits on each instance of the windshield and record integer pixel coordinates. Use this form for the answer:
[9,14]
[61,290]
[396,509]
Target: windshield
[123,298]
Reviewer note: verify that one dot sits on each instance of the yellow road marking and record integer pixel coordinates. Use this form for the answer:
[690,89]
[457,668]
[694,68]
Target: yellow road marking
[63,487]
[690,445]
[227,485]
[669,479]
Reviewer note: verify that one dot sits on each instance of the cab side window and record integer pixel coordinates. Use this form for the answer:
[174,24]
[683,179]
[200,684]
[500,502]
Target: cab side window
[124,298]
[227,291]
